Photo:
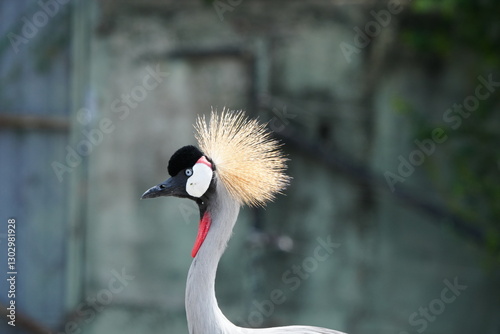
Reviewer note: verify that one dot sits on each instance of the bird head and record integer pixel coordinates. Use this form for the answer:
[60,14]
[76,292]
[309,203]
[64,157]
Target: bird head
[191,176]
[235,150]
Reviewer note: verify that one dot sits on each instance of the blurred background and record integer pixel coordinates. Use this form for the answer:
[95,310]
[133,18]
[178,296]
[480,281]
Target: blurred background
[388,111]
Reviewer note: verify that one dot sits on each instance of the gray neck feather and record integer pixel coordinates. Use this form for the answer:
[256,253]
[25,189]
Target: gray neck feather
[202,310]
[203,313]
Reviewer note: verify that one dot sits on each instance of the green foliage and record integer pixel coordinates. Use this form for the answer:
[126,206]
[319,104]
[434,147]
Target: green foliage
[469,175]
[467,24]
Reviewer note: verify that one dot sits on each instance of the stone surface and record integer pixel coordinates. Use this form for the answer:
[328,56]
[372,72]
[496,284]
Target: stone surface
[391,259]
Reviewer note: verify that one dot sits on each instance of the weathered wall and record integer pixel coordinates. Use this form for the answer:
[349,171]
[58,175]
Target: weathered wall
[388,261]
[34,101]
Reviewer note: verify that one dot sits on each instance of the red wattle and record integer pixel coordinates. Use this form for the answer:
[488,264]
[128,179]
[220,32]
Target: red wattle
[203,228]
[203,160]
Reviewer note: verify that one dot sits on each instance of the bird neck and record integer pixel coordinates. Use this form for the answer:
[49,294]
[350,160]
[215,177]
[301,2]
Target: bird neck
[202,310]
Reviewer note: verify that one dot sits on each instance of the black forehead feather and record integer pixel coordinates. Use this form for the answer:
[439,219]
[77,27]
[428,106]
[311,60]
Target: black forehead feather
[185,157]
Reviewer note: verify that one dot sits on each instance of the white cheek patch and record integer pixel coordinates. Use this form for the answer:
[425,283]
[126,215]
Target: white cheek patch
[198,183]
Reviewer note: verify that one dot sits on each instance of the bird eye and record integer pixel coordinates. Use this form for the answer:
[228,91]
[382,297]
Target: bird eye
[189,172]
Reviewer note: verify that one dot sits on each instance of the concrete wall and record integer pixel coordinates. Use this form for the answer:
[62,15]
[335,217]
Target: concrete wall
[34,102]
[389,260]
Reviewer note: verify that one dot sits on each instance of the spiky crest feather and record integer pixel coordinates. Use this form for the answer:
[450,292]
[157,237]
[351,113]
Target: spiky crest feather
[247,159]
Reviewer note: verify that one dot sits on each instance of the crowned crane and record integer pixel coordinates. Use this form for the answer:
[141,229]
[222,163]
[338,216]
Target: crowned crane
[238,163]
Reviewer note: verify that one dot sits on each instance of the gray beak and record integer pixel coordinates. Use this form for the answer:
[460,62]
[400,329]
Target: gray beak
[174,186]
